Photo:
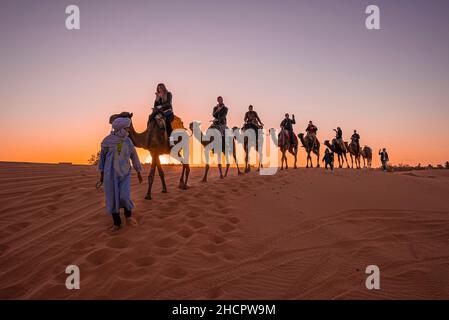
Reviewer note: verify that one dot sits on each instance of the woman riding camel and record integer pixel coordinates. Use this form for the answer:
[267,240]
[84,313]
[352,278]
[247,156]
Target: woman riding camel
[163,105]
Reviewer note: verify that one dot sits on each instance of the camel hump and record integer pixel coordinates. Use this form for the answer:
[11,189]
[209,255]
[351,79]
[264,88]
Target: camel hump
[177,123]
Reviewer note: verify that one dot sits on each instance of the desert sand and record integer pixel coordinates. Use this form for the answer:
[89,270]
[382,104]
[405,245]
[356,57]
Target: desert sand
[300,234]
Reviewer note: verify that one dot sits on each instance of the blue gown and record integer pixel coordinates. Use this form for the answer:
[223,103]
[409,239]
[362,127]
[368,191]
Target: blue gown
[117,175]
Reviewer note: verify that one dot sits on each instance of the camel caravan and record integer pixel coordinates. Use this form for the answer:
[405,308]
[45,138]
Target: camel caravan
[165,135]
[158,140]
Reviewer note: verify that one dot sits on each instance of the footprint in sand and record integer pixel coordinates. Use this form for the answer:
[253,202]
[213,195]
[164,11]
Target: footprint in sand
[214,293]
[210,248]
[3,249]
[192,213]
[228,256]
[100,256]
[173,204]
[227,227]
[233,220]
[196,224]
[185,233]
[51,208]
[216,239]
[18,226]
[174,272]
[144,261]
[167,242]
[118,243]
[224,210]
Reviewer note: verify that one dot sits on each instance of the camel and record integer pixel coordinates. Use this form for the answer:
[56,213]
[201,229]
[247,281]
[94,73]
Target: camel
[247,148]
[285,145]
[340,150]
[199,137]
[367,154]
[354,152]
[155,140]
[307,143]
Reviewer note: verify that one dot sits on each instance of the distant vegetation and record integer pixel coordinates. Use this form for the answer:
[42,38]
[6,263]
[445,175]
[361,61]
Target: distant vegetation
[406,167]
[93,160]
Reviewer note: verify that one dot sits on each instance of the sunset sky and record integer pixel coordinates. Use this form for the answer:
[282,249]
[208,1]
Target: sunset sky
[314,59]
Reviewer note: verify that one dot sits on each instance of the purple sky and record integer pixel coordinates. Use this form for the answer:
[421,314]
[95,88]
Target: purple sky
[315,59]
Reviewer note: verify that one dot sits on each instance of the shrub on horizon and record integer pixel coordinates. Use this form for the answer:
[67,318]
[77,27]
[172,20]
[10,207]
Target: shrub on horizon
[94,159]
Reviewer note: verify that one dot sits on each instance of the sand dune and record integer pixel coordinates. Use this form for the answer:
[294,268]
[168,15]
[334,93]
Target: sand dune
[301,234]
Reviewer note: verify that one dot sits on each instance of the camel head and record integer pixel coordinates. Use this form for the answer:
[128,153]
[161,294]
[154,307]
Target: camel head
[123,114]
[328,144]
[301,138]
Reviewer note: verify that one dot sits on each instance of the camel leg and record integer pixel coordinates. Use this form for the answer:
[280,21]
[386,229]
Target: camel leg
[181,180]
[186,185]
[247,166]
[234,154]
[221,171]
[185,171]
[318,159]
[150,180]
[206,171]
[282,161]
[227,169]
[296,159]
[161,175]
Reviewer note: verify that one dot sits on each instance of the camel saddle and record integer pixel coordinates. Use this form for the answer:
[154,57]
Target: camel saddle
[313,137]
[176,123]
[339,142]
[287,134]
[252,125]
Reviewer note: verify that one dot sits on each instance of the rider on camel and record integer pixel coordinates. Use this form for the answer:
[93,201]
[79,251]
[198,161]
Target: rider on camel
[219,113]
[338,136]
[163,105]
[356,138]
[311,130]
[252,119]
[287,124]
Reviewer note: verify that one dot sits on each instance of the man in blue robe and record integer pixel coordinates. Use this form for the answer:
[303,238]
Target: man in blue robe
[117,150]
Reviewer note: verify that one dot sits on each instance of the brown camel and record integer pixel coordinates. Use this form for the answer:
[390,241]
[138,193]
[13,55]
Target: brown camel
[354,152]
[285,145]
[340,150]
[367,155]
[199,137]
[155,140]
[307,143]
